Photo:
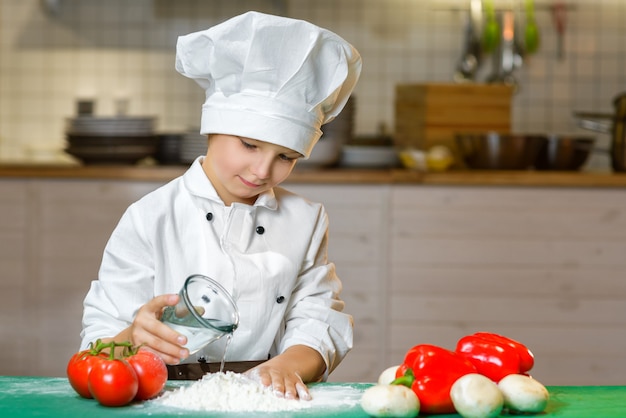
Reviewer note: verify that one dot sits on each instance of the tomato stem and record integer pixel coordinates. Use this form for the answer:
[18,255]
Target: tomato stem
[111,346]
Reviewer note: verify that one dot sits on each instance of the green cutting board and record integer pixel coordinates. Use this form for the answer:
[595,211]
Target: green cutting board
[54,397]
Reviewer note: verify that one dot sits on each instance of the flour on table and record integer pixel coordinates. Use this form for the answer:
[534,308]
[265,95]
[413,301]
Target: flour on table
[228,392]
[233,392]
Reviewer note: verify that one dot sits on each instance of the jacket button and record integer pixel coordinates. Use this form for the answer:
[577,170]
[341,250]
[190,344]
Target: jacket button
[209,216]
[280,299]
[260,230]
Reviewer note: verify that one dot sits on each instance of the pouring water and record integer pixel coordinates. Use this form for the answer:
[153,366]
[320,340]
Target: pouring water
[204,313]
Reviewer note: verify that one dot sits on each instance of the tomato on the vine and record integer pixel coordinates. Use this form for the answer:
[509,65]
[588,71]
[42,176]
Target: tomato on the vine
[116,377]
[151,374]
[78,368]
[113,382]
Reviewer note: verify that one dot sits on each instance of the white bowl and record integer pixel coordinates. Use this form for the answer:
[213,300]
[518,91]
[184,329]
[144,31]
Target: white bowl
[369,156]
[325,153]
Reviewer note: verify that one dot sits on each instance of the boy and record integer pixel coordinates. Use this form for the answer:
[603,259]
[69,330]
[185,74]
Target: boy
[270,83]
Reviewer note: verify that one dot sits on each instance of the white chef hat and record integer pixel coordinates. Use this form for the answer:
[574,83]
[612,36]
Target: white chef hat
[269,78]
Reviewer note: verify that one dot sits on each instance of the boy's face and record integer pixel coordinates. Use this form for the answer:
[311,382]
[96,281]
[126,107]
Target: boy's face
[242,168]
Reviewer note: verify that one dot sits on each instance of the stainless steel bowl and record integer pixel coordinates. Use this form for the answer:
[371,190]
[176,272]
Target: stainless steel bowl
[567,153]
[495,151]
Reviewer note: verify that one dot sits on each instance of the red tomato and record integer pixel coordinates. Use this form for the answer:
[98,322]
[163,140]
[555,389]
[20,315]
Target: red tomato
[151,374]
[78,369]
[113,382]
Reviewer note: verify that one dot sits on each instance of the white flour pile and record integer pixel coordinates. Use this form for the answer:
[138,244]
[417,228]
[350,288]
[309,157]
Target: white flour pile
[228,392]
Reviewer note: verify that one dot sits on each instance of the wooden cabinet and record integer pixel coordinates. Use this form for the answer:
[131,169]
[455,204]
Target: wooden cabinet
[73,222]
[358,246]
[15,285]
[419,264]
[52,234]
[545,266]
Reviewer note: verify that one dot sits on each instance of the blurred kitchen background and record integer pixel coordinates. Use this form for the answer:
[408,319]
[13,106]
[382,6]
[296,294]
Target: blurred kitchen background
[532,255]
[120,55]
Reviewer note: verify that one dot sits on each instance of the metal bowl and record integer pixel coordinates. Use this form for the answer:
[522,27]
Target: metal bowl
[567,153]
[495,151]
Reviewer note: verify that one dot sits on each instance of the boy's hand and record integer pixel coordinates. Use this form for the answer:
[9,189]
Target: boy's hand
[284,384]
[148,330]
[287,373]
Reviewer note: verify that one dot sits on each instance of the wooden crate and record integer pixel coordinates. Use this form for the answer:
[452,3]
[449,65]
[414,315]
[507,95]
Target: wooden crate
[432,113]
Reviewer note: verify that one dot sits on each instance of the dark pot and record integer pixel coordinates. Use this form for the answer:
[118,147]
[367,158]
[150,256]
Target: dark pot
[494,151]
[567,153]
[613,124]
[618,144]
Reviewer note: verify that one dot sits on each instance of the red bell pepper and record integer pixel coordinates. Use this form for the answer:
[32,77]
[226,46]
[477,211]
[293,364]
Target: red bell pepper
[435,369]
[526,357]
[495,356]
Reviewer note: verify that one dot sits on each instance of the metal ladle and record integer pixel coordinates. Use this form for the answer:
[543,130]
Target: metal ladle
[508,55]
[472,54]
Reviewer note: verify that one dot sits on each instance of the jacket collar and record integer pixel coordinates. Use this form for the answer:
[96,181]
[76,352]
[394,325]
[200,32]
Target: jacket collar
[199,185]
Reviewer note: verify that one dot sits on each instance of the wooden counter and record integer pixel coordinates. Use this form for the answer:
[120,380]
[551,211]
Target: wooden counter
[336,176]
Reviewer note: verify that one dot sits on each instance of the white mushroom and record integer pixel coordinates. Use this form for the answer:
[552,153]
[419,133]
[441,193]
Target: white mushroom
[476,396]
[388,375]
[390,401]
[523,393]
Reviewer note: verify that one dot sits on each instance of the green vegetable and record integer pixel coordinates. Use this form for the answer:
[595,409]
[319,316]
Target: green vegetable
[531,36]
[491,32]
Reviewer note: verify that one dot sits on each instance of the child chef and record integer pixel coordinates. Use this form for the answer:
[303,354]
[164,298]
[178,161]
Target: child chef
[270,83]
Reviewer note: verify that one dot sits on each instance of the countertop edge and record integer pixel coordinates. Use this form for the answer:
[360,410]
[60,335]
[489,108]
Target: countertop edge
[530,178]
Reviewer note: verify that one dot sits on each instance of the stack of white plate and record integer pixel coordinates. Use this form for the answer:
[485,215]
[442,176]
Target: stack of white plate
[101,140]
[192,145]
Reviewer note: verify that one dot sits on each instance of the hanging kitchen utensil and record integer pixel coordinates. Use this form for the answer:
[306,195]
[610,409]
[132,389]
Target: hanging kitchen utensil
[491,31]
[506,57]
[472,52]
[559,16]
[531,31]
[519,50]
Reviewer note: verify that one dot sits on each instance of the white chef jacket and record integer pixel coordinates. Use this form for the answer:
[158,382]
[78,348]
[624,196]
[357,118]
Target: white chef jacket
[271,257]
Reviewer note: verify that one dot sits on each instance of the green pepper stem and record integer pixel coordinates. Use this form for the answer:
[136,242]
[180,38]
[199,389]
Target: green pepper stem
[406,380]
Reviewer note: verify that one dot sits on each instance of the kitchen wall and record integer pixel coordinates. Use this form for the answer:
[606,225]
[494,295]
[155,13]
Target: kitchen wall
[124,49]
